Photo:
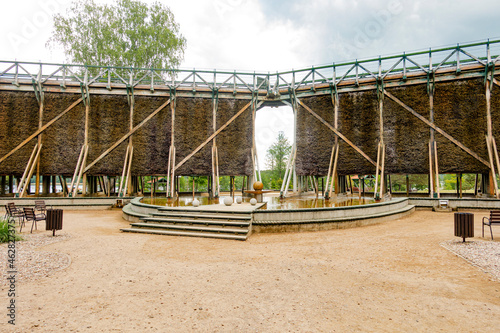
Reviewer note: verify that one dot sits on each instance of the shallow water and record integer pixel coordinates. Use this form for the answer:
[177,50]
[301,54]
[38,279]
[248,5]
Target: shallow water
[273,202]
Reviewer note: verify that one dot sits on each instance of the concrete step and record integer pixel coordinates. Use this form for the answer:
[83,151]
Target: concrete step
[165,220]
[186,233]
[403,210]
[191,228]
[203,215]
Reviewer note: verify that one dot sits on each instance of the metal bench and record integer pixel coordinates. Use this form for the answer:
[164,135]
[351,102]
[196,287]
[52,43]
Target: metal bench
[493,219]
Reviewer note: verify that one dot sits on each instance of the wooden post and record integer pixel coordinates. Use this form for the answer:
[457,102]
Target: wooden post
[128,185]
[476,185]
[375,190]
[497,159]
[41,98]
[11,184]
[215,105]
[407,185]
[460,184]
[437,170]
[431,172]
[335,175]
[193,187]
[45,185]
[54,187]
[170,178]
[382,172]
[494,188]
[430,92]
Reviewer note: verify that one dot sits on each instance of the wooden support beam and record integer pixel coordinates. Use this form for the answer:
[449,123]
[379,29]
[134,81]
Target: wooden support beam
[437,169]
[460,190]
[492,169]
[431,171]
[125,163]
[375,190]
[81,172]
[127,187]
[30,173]
[334,173]
[20,185]
[290,173]
[340,135]
[495,154]
[407,185]
[330,165]
[215,134]
[77,169]
[125,137]
[437,129]
[382,171]
[40,125]
[40,130]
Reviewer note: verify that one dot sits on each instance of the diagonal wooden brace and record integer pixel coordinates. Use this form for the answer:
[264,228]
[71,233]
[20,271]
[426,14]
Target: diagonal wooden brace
[437,129]
[340,135]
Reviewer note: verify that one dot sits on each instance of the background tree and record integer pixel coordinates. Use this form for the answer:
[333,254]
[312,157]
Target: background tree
[128,33]
[277,156]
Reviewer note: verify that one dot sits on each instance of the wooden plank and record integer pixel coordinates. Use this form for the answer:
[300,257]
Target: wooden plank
[123,138]
[126,185]
[490,154]
[125,161]
[80,173]
[382,171]
[75,174]
[431,172]
[437,170]
[23,178]
[437,129]
[340,135]
[330,167]
[376,171]
[495,154]
[214,134]
[30,174]
[334,174]
[40,130]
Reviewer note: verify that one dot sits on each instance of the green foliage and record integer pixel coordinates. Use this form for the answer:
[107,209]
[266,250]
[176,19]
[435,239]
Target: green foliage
[128,33]
[277,156]
[5,236]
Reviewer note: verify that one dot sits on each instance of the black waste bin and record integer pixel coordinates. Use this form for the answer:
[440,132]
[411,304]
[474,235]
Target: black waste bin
[54,220]
[464,225]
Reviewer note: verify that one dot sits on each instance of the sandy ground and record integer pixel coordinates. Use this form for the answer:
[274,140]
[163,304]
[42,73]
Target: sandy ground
[390,277]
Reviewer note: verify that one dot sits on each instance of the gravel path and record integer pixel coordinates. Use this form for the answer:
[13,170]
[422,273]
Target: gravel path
[31,260]
[482,254]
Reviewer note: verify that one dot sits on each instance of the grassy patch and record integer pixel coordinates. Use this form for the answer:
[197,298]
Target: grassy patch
[5,236]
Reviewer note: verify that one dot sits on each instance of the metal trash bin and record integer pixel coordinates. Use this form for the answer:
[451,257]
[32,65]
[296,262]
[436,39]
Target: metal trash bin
[464,225]
[54,220]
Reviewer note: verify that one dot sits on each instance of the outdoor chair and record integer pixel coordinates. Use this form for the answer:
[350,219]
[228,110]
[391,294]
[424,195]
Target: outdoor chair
[7,212]
[493,219]
[40,207]
[13,212]
[29,214]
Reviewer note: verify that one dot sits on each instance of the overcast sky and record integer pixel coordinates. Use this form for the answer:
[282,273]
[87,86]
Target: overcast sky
[278,35]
